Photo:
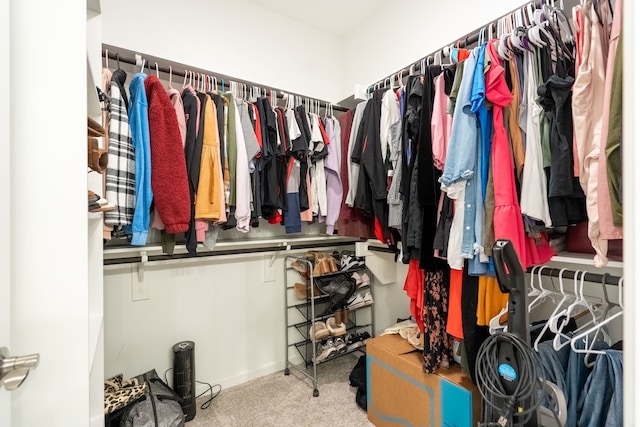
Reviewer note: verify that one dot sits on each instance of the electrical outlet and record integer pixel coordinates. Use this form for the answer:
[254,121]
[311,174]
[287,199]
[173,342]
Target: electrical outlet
[140,289]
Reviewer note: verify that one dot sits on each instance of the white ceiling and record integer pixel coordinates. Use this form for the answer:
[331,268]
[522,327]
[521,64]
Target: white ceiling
[335,17]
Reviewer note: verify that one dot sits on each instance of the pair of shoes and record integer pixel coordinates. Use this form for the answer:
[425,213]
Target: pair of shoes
[325,264]
[340,345]
[325,350]
[318,330]
[354,341]
[349,260]
[361,281]
[336,328]
[359,300]
[97,203]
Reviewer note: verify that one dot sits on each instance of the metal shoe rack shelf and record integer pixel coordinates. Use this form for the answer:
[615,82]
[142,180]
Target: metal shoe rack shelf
[301,314]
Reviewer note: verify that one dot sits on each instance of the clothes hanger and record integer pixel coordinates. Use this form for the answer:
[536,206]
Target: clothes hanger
[566,297]
[106,58]
[533,291]
[157,71]
[580,301]
[593,331]
[544,293]
[142,69]
[494,324]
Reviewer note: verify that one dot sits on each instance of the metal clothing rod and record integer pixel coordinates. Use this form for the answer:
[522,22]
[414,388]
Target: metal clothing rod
[165,257]
[466,41]
[177,69]
[570,274]
[381,249]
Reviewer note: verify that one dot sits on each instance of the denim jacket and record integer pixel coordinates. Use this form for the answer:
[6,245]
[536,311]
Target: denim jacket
[461,153]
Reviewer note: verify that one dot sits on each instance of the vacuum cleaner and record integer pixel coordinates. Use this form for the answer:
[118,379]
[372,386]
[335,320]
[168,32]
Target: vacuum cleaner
[507,368]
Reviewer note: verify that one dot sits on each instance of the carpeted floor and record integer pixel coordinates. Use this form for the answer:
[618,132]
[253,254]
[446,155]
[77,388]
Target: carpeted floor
[279,400]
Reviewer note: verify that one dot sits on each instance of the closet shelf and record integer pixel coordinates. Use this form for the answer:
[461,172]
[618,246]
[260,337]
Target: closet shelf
[582,260]
[132,255]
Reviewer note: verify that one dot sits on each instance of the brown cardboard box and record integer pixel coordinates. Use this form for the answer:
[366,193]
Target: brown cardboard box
[399,393]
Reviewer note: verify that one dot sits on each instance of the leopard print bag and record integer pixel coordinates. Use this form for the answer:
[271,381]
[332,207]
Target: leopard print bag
[119,393]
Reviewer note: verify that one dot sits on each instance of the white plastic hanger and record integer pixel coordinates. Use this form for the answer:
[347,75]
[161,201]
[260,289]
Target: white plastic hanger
[157,71]
[494,324]
[543,292]
[559,307]
[564,318]
[106,58]
[590,336]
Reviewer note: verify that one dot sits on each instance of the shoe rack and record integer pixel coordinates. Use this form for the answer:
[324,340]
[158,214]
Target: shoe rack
[306,305]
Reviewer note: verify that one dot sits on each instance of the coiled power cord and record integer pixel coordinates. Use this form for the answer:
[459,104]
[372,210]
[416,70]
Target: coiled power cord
[503,408]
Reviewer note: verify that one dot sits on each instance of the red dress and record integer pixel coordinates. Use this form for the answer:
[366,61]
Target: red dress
[507,218]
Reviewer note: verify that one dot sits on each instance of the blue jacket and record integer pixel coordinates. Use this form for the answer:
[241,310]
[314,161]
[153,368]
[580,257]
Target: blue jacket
[139,122]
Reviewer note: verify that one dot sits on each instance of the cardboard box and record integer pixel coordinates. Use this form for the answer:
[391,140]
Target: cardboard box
[400,394]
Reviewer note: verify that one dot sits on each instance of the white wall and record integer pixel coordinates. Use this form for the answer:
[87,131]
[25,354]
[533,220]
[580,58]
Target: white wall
[235,38]
[393,38]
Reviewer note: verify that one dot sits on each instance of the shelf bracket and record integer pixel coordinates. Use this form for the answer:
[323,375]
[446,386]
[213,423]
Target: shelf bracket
[144,259]
[380,260]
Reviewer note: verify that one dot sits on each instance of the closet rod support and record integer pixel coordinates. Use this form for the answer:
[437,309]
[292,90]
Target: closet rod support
[144,259]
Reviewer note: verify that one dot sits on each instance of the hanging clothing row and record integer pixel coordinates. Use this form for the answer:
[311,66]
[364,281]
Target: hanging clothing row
[505,142]
[200,160]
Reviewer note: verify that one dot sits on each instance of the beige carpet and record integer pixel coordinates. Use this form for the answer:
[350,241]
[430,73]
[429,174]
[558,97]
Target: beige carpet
[279,400]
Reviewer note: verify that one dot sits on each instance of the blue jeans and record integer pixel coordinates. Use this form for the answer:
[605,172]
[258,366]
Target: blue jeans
[600,402]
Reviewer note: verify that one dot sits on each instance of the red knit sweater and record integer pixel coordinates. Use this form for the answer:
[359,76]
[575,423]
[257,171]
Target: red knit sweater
[168,166]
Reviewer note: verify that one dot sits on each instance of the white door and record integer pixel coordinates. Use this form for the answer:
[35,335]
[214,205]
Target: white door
[5,274]
[43,220]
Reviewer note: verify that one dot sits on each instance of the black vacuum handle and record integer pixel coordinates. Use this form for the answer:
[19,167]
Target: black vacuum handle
[511,280]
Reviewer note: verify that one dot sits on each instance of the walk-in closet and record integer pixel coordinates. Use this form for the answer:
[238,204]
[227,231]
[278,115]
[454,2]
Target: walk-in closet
[318,213]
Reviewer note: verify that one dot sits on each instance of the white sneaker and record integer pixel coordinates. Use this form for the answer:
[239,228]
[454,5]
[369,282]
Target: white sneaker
[341,347]
[368,299]
[325,350]
[356,301]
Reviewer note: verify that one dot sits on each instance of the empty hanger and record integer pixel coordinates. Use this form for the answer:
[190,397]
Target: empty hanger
[543,293]
[580,301]
[596,329]
[559,307]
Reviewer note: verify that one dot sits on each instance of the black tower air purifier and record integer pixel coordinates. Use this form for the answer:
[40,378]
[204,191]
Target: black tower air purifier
[184,376]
